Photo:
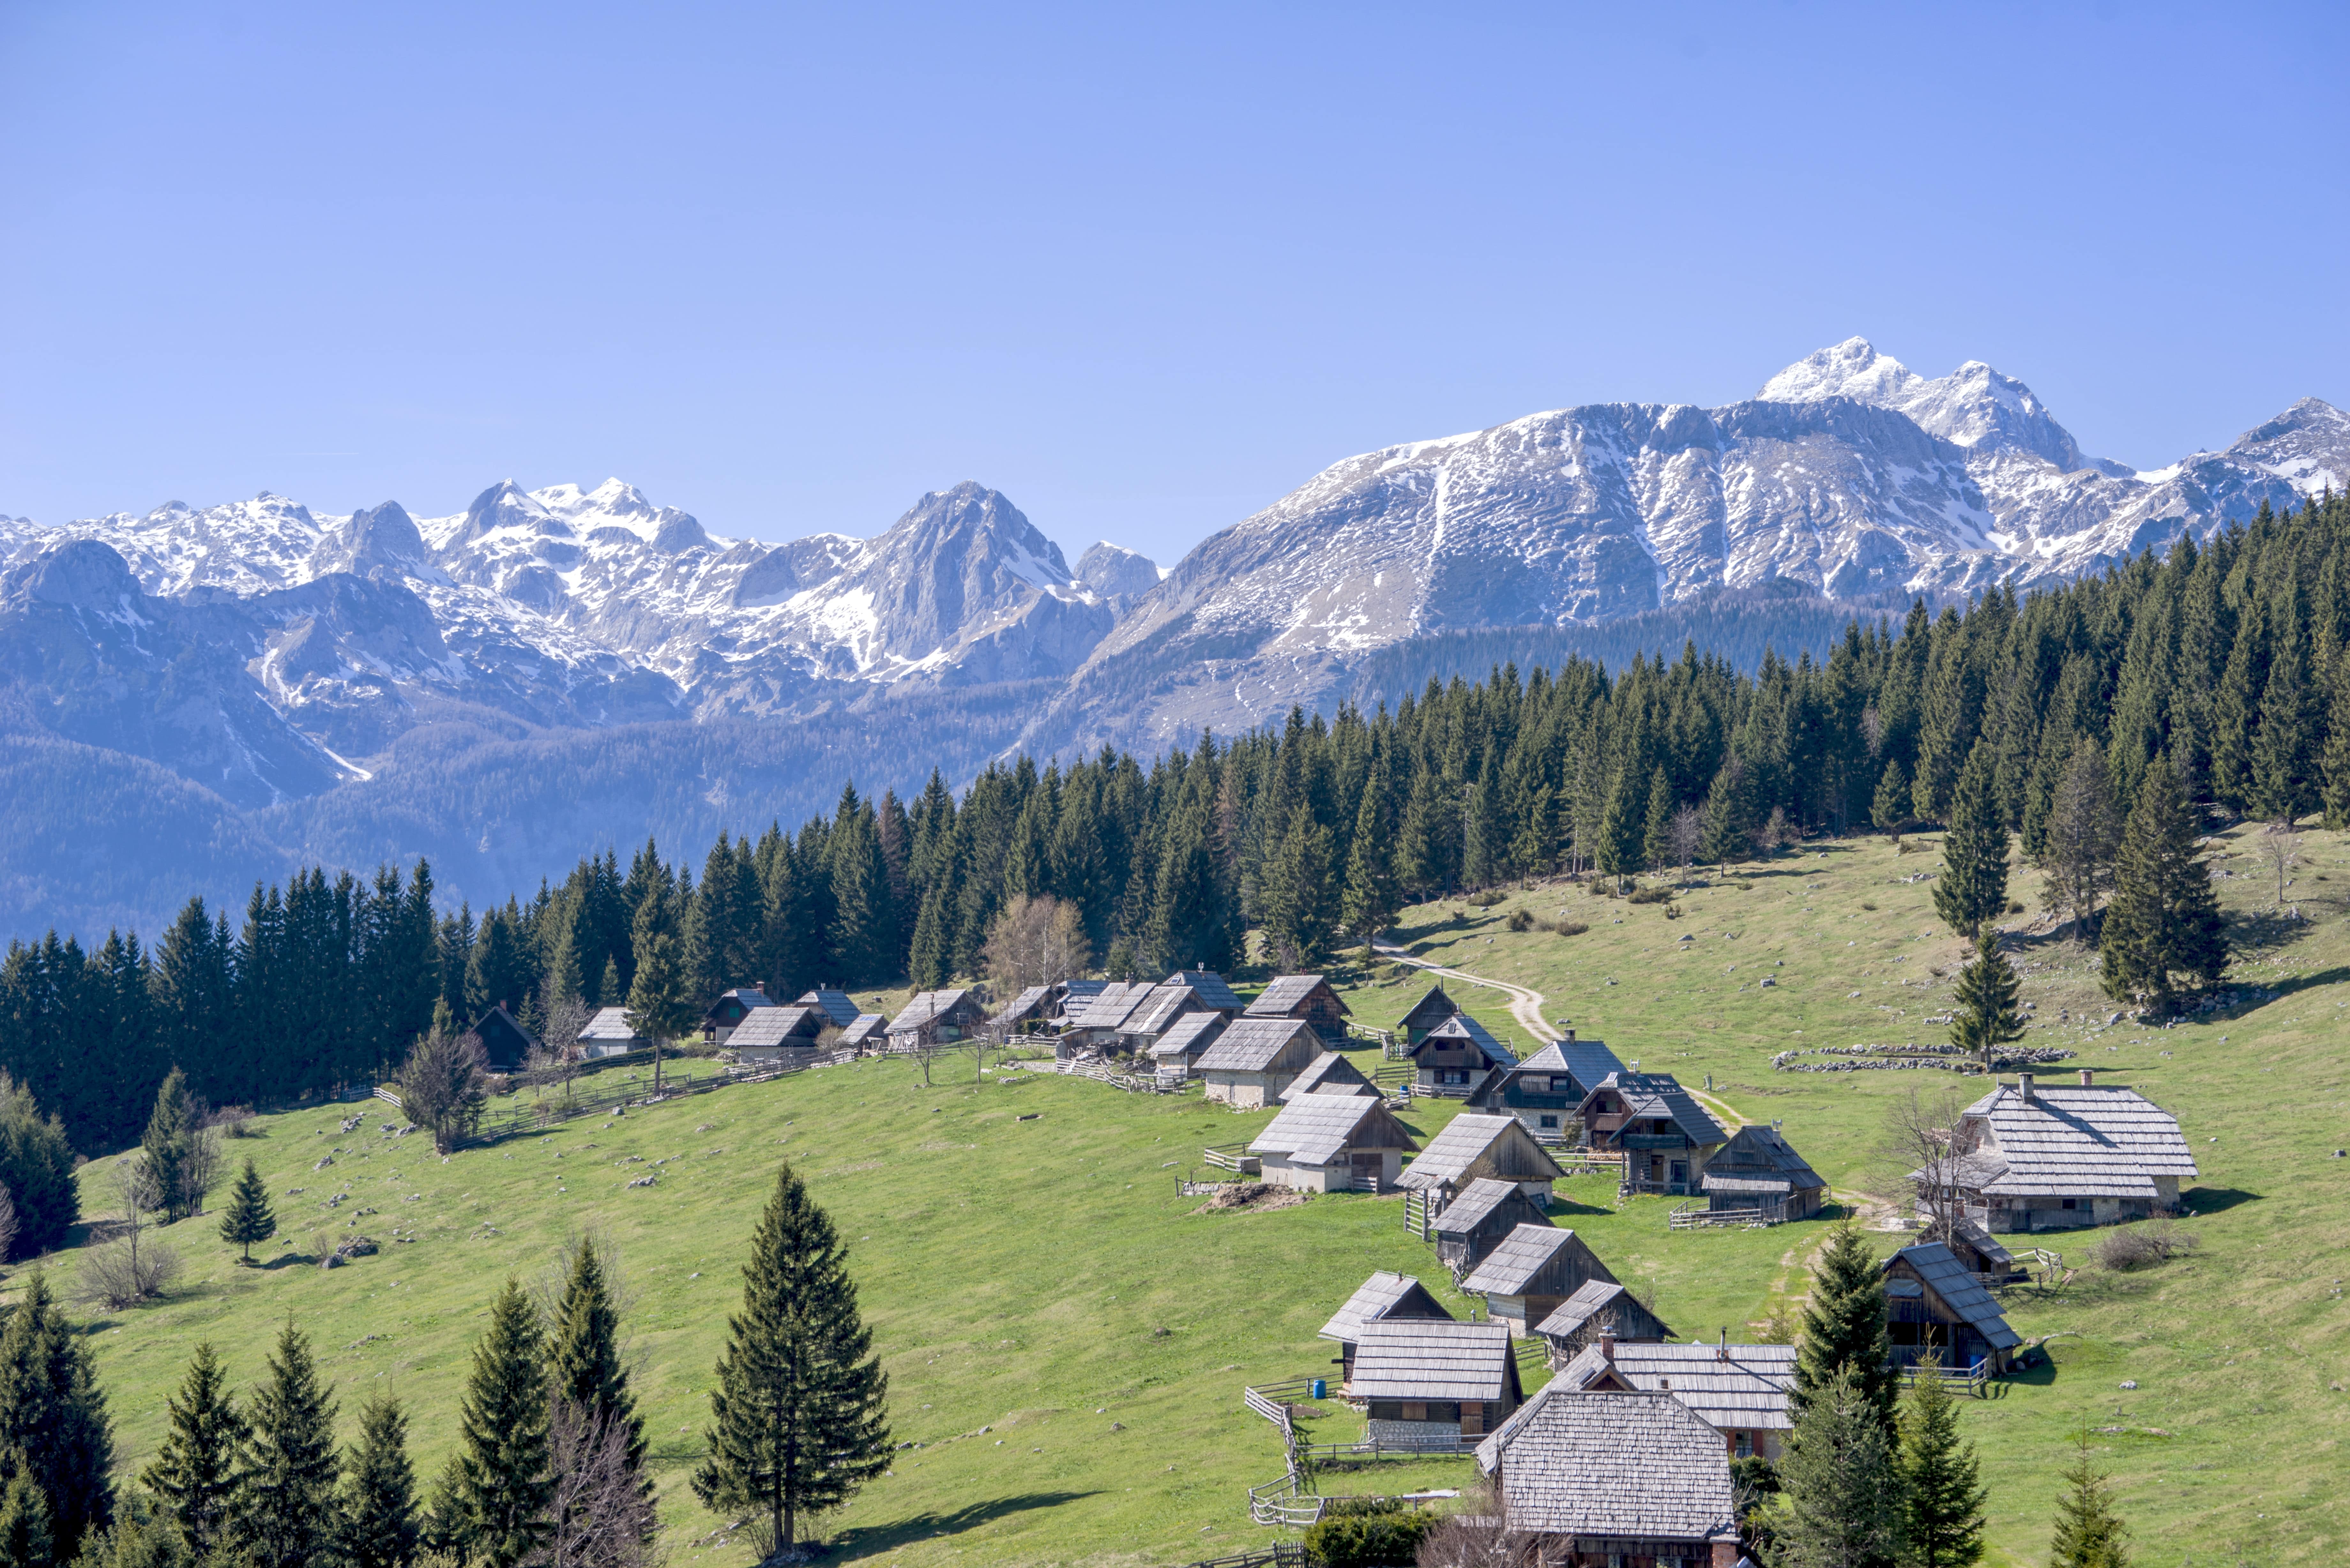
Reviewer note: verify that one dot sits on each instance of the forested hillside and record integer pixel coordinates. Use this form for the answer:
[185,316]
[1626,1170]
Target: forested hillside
[2228,659]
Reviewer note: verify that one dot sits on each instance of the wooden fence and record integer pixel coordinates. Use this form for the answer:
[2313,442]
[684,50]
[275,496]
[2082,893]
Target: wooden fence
[1280,1555]
[1696,1216]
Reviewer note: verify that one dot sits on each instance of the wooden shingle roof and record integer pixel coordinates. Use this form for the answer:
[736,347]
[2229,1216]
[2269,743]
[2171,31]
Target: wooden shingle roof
[1330,1074]
[837,1005]
[2077,1142]
[1383,1295]
[1160,1006]
[1429,1011]
[1652,1095]
[1211,987]
[1431,1359]
[1959,1288]
[1254,1044]
[1288,991]
[609,1025]
[928,1006]
[1474,1205]
[1315,1130]
[778,1026]
[1630,1465]
[1590,1298]
[865,1029]
[1189,1036]
[1461,1030]
[1529,1252]
[1741,1387]
[1466,1138]
[1032,1002]
[1585,1061]
[1759,1160]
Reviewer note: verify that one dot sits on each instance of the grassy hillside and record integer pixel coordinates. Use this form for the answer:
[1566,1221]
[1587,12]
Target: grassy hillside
[1019,1274]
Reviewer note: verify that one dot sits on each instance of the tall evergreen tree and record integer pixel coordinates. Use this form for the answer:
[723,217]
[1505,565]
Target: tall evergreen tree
[1840,1479]
[2081,831]
[169,1132]
[1298,913]
[287,1505]
[1940,1490]
[503,1487]
[196,1474]
[1843,1326]
[1622,828]
[1657,827]
[586,1351]
[1890,809]
[247,1218]
[378,1509]
[54,1430]
[2287,775]
[2089,1531]
[2163,921]
[26,1539]
[798,1417]
[1971,890]
[1984,1016]
[1730,813]
[36,1171]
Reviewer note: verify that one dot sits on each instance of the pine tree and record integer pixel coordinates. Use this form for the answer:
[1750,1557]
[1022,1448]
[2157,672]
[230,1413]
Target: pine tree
[1984,1016]
[379,1524]
[2089,1534]
[247,1218]
[1840,1479]
[1972,889]
[585,1361]
[1843,1326]
[197,1472]
[2337,747]
[286,1507]
[170,1131]
[1297,903]
[799,1422]
[1730,813]
[26,1540]
[2286,776]
[503,1485]
[1622,826]
[1941,1496]
[2163,919]
[610,992]
[1657,827]
[1890,808]
[657,1006]
[2077,846]
[54,1429]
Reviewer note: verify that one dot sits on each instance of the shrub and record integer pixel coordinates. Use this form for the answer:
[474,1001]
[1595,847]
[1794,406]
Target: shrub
[2142,1246]
[2016,906]
[1868,905]
[1520,920]
[234,1121]
[1650,896]
[125,1271]
[1566,928]
[1487,899]
[1367,1533]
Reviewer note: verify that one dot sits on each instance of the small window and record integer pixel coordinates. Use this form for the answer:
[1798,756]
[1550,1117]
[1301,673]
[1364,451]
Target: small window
[2070,1201]
[1550,1121]
[1745,1444]
[1562,1086]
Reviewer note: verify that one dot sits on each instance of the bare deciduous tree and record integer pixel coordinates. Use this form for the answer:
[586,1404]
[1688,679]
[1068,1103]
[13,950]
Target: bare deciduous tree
[1689,832]
[1777,832]
[1918,1158]
[200,1164]
[1037,941]
[2279,846]
[132,1266]
[556,1061]
[598,1515]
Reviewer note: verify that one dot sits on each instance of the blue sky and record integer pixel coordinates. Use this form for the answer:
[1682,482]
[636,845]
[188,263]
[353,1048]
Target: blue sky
[1142,268]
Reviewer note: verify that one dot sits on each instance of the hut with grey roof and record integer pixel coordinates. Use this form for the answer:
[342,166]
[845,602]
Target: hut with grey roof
[608,1034]
[1334,1143]
[1176,1054]
[1934,1305]
[1162,1006]
[2044,1157]
[1758,1169]
[1480,1146]
[1097,1027]
[1307,998]
[1663,1134]
[937,1018]
[779,1036]
[723,1016]
[1478,1219]
[1382,1296]
[1429,1011]
[1213,992]
[1630,1479]
[1547,1090]
[866,1032]
[1331,1072]
[1739,1390]
[1457,1056]
[837,1005]
[1599,1306]
[1434,1383]
[1533,1270]
[1255,1058]
[1026,1011]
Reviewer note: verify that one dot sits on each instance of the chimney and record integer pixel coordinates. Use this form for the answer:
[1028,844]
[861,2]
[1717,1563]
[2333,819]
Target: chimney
[1607,1342]
[1570,1036]
[2088,1079]
[1723,1353]
[2024,1086]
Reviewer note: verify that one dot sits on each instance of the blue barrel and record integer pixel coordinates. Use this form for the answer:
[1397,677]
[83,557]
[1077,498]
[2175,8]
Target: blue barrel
[1321,1388]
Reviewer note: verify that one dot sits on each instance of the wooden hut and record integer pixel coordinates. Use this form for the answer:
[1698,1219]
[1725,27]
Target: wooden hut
[1096,1028]
[1160,1008]
[1330,1074]
[867,1031]
[1434,1383]
[1457,1056]
[1663,1134]
[1425,1013]
[724,1015]
[1255,1058]
[1026,1011]
[608,1034]
[1308,998]
[1334,1143]
[1532,1271]
[837,1005]
[1637,1479]
[1077,996]
[937,1018]
[2046,1157]
[1758,1168]
[1213,992]
[1476,1221]
[779,1036]
[1598,1307]
[1382,1296]
[1739,1390]
[1934,1305]
[506,1045]
[1176,1054]
[1474,1146]
[1547,1090]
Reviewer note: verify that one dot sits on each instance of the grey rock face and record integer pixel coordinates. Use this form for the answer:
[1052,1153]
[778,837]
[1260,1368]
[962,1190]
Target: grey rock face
[1114,571]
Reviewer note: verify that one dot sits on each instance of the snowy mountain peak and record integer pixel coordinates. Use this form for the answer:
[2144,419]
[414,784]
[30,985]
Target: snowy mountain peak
[1975,406]
[1852,369]
[1115,572]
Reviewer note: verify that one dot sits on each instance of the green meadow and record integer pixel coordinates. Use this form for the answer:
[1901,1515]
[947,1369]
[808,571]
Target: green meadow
[1066,1334]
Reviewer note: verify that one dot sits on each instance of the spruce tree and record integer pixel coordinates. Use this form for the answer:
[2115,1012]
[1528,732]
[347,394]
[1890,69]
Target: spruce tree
[1843,1326]
[1840,1479]
[170,1130]
[585,1361]
[54,1429]
[2089,1534]
[2286,775]
[1622,828]
[26,1539]
[1297,903]
[1890,807]
[2077,848]
[1730,813]
[1657,826]
[196,1474]
[2163,919]
[503,1484]
[2337,747]
[248,1219]
[1940,1490]
[378,1519]
[1971,890]
[799,1422]
[287,1506]
[1984,1016]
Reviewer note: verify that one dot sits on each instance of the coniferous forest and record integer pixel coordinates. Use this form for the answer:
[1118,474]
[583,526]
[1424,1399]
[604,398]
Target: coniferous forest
[2220,669]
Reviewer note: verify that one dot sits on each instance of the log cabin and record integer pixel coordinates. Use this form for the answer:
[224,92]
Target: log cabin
[1601,1306]
[837,1005]
[506,1045]
[1255,1058]
[937,1018]
[718,1023]
[1758,1168]
[1457,1056]
[1934,1305]
[1383,1295]
[779,1036]
[1547,1090]
[1477,1221]
[1176,1054]
[1631,1478]
[1472,1147]
[1663,1134]
[1331,1073]
[1434,1383]
[867,1031]
[1533,1270]
[1425,1013]
[1307,998]
[1334,1143]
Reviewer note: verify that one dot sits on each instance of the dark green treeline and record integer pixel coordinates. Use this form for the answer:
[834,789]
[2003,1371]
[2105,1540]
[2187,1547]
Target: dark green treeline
[2225,657]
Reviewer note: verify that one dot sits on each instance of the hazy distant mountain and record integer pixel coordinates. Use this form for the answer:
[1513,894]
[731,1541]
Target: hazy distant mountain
[498,688]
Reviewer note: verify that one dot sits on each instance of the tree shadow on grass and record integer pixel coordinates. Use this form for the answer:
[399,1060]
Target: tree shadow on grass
[2200,1200]
[874,1541]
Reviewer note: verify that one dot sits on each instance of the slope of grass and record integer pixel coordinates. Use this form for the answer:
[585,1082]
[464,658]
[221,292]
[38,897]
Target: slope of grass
[1018,1274]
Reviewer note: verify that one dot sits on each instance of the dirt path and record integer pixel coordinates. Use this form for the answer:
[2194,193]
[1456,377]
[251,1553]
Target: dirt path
[1526,1007]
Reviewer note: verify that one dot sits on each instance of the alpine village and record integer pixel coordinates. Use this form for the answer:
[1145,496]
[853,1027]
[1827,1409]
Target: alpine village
[1880,1111]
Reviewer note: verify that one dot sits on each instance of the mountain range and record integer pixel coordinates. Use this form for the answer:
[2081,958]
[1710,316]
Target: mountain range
[262,684]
